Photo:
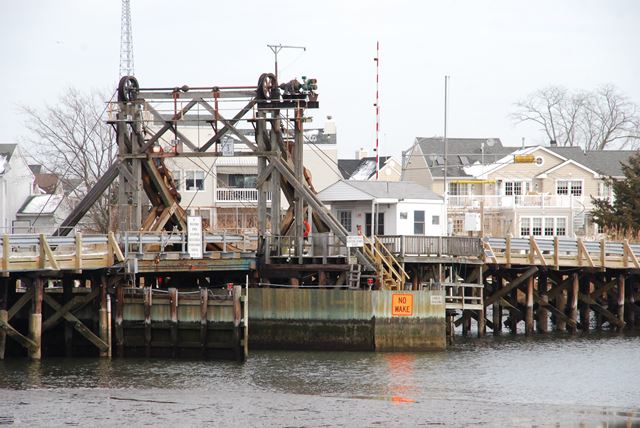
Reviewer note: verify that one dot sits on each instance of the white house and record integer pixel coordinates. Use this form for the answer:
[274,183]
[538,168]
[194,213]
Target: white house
[16,184]
[397,207]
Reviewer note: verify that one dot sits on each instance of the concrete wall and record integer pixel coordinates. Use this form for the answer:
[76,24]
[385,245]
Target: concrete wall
[343,320]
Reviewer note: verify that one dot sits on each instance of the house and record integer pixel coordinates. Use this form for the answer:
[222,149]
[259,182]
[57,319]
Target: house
[223,189]
[16,184]
[363,167]
[397,208]
[42,213]
[531,191]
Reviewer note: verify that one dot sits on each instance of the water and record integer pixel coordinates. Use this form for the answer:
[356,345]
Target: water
[547,381]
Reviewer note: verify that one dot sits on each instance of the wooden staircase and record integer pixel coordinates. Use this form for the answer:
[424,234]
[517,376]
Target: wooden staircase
[391,274]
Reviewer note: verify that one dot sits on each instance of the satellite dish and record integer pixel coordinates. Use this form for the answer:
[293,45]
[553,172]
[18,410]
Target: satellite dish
[491,142]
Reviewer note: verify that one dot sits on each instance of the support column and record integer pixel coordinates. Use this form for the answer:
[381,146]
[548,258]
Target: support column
[585,308]
[204,326]
[238,349]
[119,326]
[482,325]
[631,313]
[561,305]
[621,293]
[529,313]
[262,194]
[298,158]
[35,319]
[103,319]
[497,309]
[67,295]
[573,303]
[147,320]
[513,314]
[173,313]
[543,312]
[275,185]
[4,312]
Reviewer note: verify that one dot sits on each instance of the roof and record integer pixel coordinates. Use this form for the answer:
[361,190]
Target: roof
[6,151]
[348,190]
[40,205]
[360,169]
[604,162]
[461,152]
[46,181]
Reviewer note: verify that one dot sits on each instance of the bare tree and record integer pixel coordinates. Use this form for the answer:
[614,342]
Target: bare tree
[593,120]
[72,139]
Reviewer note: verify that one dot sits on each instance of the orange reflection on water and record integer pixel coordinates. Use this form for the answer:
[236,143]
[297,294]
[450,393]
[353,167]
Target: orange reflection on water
[401,380]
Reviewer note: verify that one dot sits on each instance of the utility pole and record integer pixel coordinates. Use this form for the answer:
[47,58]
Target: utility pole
[277,48]
[446,150]
[126,41]
[377,104]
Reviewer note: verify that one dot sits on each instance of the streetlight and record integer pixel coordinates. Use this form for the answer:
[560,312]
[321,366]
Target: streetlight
[277,48]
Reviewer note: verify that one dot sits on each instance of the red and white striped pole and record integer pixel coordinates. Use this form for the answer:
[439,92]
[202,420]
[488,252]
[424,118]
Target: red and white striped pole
[377,104]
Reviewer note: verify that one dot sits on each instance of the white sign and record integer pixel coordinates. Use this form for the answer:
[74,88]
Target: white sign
[472,222]
[227,147]
[194,237]
[355,241]
[437,299]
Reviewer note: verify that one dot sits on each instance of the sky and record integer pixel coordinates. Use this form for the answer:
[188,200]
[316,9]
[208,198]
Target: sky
[495,53]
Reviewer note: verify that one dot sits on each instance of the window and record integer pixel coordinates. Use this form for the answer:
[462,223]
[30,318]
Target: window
[459,189]
[516,187]
[242,181]
[178,179]
[435,220]
[561,226]
[548,226]
[418,222]
[569,187]
[379,224]
[194,180]
[458,225]
[525,226]
[536,230]
[404,215]
[344,216]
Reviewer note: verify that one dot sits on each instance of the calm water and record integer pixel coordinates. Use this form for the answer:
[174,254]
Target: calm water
[551,381]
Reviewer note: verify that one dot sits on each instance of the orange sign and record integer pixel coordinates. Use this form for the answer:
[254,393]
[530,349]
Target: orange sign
[402,305]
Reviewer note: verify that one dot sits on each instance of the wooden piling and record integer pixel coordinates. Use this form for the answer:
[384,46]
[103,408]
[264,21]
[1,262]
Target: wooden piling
[573,303]
[103,319]
[67,295]
[35,320]
[585,310]
[513,313]
[621,295]
[204,306]
[322,278]
[561,305]
[528,321]
[238,349]
[173,313]
[482,325]
[543,313]
[497,309]
[4,313]
[147,320]
[118,321]
[632,312]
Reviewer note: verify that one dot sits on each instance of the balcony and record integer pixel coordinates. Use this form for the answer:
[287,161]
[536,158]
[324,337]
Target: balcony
[239,195]
[515,201]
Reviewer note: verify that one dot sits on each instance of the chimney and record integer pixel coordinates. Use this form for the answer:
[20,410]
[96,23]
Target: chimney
[330,126]
[553,143]
[362,153]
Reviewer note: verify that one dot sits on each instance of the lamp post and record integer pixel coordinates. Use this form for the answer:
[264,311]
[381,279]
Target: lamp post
[277,48]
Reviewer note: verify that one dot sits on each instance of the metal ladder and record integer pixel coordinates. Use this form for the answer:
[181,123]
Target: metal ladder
[355,273]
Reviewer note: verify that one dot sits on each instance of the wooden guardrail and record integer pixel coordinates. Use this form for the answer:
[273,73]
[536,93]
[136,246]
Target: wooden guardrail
[417,245]
[558,252]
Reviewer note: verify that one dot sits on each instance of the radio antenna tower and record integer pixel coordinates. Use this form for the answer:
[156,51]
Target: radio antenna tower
[126,41]
[377,104]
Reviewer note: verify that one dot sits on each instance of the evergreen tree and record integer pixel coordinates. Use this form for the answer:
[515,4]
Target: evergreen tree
[623,214]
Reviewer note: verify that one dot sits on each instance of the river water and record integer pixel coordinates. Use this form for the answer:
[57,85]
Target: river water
[544,381]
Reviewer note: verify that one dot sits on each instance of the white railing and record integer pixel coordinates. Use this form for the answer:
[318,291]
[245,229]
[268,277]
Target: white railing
[513,201]
[238,195]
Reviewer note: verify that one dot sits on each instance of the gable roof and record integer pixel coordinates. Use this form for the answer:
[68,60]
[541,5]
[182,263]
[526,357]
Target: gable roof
[7,150]
[604,162]
[360,169]
[461,152]
[40,205]
[350,190]
[480,170]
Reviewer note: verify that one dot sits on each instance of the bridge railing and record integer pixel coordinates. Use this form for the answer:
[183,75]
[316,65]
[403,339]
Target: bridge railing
[556,251]
[418,245]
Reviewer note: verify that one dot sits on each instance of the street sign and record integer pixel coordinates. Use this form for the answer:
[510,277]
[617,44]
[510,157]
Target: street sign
[355,241]
[194,237]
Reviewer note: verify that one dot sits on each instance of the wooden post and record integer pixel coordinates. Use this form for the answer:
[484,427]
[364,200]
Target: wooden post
[631,313]
[119,326]
[621,287]
[147,320]
[204,305]
[482,325]
[238,349]
[513,314]
[529,314]
[298,163]
[573,304]
[561,305]
[173,312]
[450,329]
[35,320]
[4,311]
[543,312]
[585,310]
[103,319]
[67,295]
[466,323]
[497,309]
[322,278]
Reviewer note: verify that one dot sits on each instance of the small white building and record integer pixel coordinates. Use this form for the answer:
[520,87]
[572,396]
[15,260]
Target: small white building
[16,184]
[397,207]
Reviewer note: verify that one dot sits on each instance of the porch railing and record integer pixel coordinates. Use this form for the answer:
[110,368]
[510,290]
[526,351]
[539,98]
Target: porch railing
[238,195]
[513,201]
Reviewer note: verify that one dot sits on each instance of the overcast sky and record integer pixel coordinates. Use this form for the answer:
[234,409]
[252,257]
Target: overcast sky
[495,52]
